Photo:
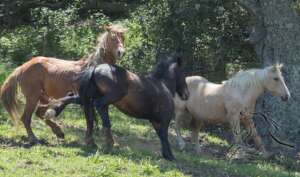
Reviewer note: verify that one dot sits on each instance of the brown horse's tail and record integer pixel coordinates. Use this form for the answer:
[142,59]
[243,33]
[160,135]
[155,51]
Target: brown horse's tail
[8,95]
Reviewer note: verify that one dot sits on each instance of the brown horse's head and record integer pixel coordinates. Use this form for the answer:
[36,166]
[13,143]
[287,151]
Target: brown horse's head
[110,46]
[115,40]
[274,82]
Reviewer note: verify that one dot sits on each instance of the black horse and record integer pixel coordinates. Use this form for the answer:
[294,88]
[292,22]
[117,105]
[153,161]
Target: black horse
[146,97]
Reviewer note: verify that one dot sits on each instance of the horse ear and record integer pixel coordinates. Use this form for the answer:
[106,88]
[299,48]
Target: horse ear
[179,60]
[273,68]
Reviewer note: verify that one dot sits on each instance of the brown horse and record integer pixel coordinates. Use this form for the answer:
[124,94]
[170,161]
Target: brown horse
[145,97]
[44,78]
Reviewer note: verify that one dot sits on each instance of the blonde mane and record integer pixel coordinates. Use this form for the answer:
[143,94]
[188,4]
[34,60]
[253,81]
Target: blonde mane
[248,79]
[97,57]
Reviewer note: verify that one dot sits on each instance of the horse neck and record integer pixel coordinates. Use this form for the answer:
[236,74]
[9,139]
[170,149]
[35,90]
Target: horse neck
[100,56]
[109,58]
[169,83]
[252,92]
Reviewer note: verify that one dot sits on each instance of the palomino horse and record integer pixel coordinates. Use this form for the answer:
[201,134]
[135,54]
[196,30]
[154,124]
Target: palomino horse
[230,102]
[146,97]
[43,78]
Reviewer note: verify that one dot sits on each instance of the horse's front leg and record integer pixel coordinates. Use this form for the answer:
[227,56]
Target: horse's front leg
[178,125]
[251,129]
[195,126]
[235,127]
[161,129]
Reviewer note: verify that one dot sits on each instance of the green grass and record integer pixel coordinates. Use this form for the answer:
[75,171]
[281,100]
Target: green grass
[137,153]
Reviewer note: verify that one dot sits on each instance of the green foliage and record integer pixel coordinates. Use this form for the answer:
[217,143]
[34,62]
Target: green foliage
[57,33]
[209,34]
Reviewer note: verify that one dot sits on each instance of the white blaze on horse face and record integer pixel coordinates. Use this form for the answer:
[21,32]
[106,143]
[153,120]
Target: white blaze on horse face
[118,44]
[275,82]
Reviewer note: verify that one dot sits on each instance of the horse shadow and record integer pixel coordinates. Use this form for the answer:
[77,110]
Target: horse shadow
[138,148]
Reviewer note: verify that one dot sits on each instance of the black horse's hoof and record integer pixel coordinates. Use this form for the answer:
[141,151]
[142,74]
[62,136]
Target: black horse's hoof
[90,143]
[61,136]
[169,157]
[36,142]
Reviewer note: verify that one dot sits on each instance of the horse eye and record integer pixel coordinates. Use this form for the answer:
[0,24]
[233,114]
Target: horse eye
[276,79]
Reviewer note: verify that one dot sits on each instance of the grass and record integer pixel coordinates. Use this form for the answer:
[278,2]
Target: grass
[137,153]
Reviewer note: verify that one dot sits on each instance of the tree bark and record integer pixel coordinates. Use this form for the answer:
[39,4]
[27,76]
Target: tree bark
[275,36]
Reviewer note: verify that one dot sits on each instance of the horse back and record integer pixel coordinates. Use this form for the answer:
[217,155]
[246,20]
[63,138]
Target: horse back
[146,98]
[206,101]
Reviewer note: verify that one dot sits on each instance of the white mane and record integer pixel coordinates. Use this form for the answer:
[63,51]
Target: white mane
[248,79]
[252,78]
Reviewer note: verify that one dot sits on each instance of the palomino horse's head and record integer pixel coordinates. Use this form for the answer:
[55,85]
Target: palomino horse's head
[274,82]
[115,40]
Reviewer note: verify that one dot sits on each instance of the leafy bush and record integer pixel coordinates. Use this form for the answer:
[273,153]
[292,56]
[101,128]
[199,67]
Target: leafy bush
[59,33]
[209,34]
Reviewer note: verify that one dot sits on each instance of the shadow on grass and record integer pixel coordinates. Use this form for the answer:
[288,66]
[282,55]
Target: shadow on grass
[139,148]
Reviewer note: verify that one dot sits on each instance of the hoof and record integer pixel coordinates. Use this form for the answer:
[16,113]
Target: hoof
[169,157]
[60,135]
[91,143]
[37,142]
[107,148]
[181,144]
[198,150]
[50,113]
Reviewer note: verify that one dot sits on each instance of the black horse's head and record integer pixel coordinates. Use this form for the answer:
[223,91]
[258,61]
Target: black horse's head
[170,70]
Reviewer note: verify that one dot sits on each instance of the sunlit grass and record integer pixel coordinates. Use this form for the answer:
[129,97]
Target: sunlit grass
[137,153]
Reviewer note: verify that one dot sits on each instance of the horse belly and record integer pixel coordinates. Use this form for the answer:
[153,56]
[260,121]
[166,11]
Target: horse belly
[58,87]
[131,106]
[207,108]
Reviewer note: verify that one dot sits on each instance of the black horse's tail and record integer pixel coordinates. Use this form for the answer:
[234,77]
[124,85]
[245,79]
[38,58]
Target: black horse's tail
[87,85]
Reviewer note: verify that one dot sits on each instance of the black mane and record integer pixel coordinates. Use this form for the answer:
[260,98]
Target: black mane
[162,67]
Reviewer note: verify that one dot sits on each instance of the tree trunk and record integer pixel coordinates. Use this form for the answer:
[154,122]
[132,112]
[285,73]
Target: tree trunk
[275,36]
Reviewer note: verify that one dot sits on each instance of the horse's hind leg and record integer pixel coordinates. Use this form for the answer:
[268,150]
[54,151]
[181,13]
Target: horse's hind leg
[40,112]
[101,105]
[109,141]
[90,117]
[26,118]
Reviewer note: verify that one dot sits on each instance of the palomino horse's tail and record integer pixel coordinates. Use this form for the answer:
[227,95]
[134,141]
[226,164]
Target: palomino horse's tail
[8,95]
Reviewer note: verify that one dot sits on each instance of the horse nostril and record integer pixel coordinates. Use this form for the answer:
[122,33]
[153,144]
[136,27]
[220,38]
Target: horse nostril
[285,98]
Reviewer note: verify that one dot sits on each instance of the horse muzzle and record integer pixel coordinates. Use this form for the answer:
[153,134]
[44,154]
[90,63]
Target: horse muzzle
[285,97]
[120,52]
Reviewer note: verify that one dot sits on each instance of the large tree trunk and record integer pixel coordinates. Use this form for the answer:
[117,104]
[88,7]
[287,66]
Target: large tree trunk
[275,35]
